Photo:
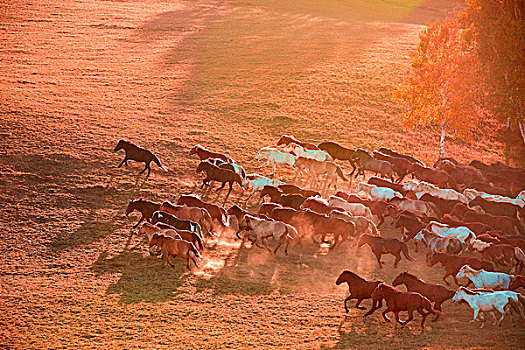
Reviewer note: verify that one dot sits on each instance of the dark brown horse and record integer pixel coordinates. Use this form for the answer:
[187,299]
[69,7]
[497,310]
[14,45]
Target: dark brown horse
[360,288]
[293,189]
[287,139]
[336,151]
[436,293]
[453,264]
[214,173]
[143,206]
[172,220]
[380,246]
[412,224]
[217,212]
[517,282]
[397,301]
[138,154]
[203,153]
[287,200]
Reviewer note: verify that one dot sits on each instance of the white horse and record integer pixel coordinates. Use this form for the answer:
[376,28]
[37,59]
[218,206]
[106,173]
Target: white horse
[354,209]
[273,156]
[300,151]
[464,234]
[258,182]
[489,302]
[411,204]
[376,192]
[420,188]
[485,279]
[438,244]
[501,199]
[259,230]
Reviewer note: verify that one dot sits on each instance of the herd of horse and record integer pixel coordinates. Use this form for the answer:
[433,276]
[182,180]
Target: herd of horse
[469,218]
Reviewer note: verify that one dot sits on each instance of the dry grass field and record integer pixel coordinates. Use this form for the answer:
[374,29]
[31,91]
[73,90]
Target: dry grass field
[77,75]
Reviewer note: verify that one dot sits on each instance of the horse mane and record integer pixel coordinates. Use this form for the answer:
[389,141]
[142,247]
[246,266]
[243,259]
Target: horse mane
[409,275]
[467,291]
[317,199]
[354,275]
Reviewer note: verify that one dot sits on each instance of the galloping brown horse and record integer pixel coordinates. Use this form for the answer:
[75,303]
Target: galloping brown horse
[204,153]
[287,139]
[336,151]
[453,264]
[380,246]
[138,154]
[175,247]
[360,288]
[368,162]
[214,173]
[397,301]
[143,206]
[436,293]
[217,212]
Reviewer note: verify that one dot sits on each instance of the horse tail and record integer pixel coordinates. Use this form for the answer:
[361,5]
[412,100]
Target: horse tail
[194,250]
[404,250]
[340,173]
[200,242]
[520,256]
[374,228]
[521,300]
[157,161]
[225,220]
[517,306]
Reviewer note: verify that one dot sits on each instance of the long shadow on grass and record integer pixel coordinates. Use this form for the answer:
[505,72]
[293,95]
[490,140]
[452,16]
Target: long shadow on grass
[143,279]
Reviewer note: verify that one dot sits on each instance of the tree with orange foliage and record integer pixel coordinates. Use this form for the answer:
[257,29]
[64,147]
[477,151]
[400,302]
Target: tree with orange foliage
[439,89]
[496,30]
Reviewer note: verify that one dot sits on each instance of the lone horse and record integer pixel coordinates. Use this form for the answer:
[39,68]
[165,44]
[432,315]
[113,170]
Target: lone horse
[138,154]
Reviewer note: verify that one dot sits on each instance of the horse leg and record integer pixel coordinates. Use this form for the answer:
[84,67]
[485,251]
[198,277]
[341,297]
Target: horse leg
[375,305]
[145,168]
[138,223]
[437,306]
[396,314]
[475,317]
[424,314]
[350,297]
[264,164]
[221,187]
[503,314]
[123,161]
[398,259]
[378,257]
[445,278]
[384,314]
[279,243]
[229,191]
[357,304]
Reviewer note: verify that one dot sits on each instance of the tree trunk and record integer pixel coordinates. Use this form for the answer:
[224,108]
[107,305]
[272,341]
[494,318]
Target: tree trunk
[507,144]
[442,141]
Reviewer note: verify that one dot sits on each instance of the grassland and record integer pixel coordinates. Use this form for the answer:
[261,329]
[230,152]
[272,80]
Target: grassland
[232,75]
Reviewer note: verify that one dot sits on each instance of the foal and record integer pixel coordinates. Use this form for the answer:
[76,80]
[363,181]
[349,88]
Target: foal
[138,154]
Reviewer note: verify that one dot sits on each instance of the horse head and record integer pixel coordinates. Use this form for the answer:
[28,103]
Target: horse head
[343,277]
[120,145]
[399,279]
